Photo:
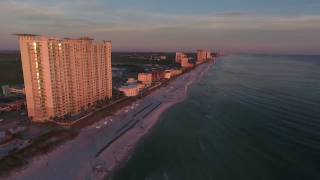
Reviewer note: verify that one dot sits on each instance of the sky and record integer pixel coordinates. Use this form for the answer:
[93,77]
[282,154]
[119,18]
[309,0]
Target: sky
[247,26]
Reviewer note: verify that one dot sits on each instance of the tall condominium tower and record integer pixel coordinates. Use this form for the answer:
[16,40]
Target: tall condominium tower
[179,56]
[185,63]
[203,56]
[64,76]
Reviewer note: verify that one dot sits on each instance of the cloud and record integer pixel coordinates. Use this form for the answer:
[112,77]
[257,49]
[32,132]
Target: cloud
[222,22]
[231,29]
[21,9]
[82,14]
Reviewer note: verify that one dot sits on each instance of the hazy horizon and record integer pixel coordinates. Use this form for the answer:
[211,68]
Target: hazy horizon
[194,51]
[264,27]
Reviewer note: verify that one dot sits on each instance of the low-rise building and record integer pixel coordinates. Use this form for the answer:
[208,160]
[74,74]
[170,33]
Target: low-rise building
[17,91]
[170,73]
[141,86]
[157,57]
[145,78]
[130,90]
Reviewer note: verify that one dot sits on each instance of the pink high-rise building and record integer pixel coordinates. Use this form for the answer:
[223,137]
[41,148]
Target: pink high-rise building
[179,56]
[183,60]
[203,56]
[185,63]
[64,76]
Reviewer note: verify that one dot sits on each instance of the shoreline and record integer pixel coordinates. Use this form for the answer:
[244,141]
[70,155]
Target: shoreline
[155,119]
[77,158]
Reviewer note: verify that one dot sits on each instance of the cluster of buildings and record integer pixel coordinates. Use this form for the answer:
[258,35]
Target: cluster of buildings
[134,87]
[64,76]
[150,57]
[203,56]
[156,57]
[184,60]
[170,73]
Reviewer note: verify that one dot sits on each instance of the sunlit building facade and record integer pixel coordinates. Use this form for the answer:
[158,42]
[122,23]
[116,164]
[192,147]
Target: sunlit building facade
[131,90]
[185,63]
[203,56]
[157,75]
[64,76]
[145,78]
[179,56]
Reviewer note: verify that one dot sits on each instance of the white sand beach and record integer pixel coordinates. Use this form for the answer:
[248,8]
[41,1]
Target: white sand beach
[99,149]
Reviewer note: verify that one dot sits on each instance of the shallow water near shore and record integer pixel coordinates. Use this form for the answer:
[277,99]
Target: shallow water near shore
[250,117]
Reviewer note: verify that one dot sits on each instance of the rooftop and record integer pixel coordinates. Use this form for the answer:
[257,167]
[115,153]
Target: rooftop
[25,34]
[130,86]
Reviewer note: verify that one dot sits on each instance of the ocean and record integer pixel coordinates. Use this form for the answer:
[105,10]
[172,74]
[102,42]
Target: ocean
[251,117]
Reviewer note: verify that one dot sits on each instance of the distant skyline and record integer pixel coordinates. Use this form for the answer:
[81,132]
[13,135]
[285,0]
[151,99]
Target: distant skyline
[248,26]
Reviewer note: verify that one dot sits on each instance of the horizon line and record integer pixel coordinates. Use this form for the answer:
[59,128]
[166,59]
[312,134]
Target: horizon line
[195,51]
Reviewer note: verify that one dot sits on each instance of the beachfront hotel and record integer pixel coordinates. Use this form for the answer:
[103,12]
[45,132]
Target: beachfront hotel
[145,78]
[183,60]
[180,56]
[203,56]
[64,76]
[185,63]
